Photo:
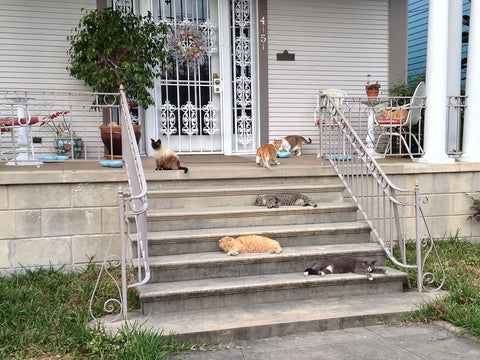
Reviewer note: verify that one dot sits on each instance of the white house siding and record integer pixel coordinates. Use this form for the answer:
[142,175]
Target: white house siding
[33,56]
[336,44]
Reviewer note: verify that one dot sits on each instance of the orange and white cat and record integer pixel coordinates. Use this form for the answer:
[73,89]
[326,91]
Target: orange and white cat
[395,115]
[165,158]
[267,153]
[249,244]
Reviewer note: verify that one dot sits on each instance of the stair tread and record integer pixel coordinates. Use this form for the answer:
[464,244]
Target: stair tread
[210,258]
[283,230]
[251,209]
[255,282]
[231,189]
[282,318]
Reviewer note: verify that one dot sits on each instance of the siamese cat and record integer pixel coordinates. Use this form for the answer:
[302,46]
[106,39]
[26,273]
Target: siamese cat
[165,158]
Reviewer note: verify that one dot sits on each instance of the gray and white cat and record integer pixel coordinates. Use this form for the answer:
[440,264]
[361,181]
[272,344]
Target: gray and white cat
[294,143]
[344,265]
[286,199]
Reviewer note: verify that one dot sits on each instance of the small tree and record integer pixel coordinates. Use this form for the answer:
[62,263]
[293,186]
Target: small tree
[112,48]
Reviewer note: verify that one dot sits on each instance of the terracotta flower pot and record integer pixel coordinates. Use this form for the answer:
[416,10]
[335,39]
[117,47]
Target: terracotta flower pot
[112,139]
[372,94]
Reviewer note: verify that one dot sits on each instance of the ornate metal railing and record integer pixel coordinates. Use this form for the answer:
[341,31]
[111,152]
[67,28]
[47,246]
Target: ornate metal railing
[390,211]
[132,204]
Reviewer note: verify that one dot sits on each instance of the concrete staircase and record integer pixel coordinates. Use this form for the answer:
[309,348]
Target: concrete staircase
[202,294]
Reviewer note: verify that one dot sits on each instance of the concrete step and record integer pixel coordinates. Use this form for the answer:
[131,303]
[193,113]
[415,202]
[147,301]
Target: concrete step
[241,216]
[203,240]
[229,195]
[262,289]
[217,264]
[280,318]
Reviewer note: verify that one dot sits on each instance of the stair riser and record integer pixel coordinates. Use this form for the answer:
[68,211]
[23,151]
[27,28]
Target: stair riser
[172,201]
[157,248]
[270,295]
[247,219]
[239,180]
[233,268]
[288,328]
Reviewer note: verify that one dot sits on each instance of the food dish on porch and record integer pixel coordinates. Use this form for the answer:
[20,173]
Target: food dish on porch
[112,163]
[283,154]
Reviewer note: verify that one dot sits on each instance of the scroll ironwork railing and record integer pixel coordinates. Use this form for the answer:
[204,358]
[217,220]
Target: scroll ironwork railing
[135,203]
[391,212]
[132,204]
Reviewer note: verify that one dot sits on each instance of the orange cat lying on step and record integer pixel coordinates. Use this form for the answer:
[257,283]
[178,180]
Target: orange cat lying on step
[249,244]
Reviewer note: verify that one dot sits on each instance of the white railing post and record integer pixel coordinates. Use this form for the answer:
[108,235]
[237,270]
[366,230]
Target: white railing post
[123,250]
[418,241]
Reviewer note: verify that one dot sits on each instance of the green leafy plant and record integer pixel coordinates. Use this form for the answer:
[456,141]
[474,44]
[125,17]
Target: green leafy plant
[407,88]
[110,48]
[475,208]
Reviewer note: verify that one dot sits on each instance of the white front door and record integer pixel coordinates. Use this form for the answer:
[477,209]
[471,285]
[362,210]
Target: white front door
[204,98]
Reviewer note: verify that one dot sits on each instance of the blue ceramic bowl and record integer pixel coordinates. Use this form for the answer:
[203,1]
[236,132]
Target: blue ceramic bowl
[282,154]
[112,163]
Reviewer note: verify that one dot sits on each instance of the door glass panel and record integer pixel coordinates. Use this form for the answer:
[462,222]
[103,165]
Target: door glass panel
[187,106]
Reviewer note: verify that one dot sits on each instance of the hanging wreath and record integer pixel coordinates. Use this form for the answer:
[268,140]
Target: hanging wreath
[187,47]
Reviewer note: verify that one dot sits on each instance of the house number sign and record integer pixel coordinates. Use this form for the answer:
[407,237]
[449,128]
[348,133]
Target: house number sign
[263,34]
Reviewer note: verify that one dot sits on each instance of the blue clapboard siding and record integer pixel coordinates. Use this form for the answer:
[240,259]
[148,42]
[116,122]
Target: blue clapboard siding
[417,35]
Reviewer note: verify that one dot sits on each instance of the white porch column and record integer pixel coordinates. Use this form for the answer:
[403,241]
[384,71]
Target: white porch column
[436,84]
[454,72]
[471,125]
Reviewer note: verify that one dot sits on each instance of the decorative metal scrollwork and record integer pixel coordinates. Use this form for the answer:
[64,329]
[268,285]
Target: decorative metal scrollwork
[168,118]
[210,119]
[244,91]
[110,305]
[189,118]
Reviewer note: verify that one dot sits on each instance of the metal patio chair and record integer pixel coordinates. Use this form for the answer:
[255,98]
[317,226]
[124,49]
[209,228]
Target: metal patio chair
[15,121]
[397,121]
[338,97]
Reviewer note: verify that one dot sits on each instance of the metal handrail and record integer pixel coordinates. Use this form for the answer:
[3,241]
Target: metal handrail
[136,203]
[386,208]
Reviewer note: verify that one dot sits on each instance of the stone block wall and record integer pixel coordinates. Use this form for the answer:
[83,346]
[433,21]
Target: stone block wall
[58,223]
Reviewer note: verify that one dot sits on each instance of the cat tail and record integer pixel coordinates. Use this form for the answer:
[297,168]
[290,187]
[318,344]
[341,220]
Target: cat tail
[310,271]
[305,140]
[185,169]
[266,162]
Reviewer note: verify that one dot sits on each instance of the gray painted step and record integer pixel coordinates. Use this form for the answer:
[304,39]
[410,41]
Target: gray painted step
[237,195]
[204,240]
[212,217]
[217,264]
[281,318]
[261,289]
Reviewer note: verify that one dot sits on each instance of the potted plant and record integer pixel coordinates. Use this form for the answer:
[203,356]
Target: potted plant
[110,48]
[67,143]
[372,89]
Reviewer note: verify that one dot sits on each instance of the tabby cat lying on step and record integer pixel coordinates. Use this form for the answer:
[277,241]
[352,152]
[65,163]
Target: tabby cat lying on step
[286,199]
[344,265]
[249,244]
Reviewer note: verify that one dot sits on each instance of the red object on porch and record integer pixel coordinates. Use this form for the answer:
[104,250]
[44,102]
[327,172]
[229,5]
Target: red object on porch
[8,122]
[393,121]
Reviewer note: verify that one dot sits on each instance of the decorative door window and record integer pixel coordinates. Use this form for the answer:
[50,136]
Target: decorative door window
[187,108]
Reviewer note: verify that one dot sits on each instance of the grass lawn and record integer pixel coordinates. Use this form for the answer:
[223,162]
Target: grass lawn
[461,261]
[44,313]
